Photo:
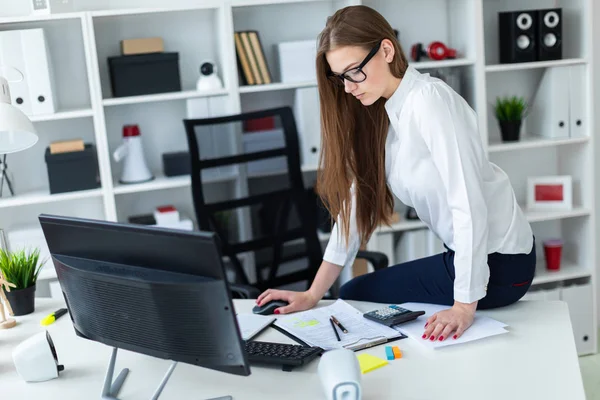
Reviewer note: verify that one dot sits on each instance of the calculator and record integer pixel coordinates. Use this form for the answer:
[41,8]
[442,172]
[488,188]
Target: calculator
[392,315]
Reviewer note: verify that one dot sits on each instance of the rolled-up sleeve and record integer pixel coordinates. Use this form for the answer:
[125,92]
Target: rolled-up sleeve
[337,252]
[449,128]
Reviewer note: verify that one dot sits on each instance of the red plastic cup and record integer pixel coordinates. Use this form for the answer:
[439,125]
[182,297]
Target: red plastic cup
[553,252]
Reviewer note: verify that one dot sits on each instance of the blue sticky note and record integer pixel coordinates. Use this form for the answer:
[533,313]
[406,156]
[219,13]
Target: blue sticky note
[389,353]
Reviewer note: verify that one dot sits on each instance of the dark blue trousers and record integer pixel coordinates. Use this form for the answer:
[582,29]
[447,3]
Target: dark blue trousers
[431,280]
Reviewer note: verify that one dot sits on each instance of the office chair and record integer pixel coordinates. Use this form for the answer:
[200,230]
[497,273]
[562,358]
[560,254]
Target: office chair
[279,202]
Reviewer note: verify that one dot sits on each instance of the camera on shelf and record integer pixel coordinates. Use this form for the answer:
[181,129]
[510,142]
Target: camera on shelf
[208,79]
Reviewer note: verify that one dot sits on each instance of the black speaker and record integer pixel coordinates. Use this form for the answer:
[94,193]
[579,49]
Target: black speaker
[549,34]
[518,36]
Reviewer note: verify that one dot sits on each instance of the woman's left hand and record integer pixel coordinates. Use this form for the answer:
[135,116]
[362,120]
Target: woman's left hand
[453,321]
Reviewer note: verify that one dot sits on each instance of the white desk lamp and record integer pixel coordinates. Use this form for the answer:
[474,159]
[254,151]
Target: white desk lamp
[16,131]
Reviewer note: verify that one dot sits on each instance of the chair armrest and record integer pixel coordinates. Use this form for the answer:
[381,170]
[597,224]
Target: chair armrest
[244,291]
[377,259]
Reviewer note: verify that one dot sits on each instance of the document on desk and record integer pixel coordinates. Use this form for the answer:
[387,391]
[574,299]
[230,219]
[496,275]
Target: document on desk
[482,327]
[313,327]
[252,324]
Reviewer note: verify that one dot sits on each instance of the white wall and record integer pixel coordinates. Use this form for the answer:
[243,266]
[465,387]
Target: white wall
[596,86]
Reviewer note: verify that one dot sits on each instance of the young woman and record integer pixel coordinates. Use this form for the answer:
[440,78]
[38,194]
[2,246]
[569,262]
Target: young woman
[389,129]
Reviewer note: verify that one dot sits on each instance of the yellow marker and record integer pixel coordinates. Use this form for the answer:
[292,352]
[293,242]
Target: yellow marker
[53,317]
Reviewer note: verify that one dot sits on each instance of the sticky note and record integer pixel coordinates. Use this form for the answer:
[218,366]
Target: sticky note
[368,362]
[397,352]
[389,353]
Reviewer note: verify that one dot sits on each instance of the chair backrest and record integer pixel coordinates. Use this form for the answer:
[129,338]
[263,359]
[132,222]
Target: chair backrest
[278,202]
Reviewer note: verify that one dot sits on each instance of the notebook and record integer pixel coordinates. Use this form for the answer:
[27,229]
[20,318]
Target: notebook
[313,328]
[252,324]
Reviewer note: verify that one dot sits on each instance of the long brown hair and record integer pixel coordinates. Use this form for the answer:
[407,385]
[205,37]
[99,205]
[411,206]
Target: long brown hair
[353,136]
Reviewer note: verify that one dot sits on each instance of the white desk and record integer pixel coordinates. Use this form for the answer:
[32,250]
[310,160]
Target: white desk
[536,360]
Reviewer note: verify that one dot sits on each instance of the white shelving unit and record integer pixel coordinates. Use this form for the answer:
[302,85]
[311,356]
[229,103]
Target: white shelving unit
[81,42]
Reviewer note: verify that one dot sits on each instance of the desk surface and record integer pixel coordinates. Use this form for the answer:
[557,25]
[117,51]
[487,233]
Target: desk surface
[537,359]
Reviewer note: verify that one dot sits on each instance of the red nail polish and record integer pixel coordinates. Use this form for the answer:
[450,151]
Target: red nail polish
[276,311]
[455,337]
[426,324]
[432,338]
[441,338]
[424,336]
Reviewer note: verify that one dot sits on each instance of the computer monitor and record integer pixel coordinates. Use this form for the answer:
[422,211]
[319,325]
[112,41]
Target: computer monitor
[154,291]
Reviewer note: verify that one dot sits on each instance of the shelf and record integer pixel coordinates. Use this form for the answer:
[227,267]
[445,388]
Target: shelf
[532,216]
[540,216]
[188,94]
[43,196]
[69,114]
[41,18]
[163,182]
[275,86]
[534,64]
[533,143]
[246,3]
[568,270]
[459,62]
[206,5]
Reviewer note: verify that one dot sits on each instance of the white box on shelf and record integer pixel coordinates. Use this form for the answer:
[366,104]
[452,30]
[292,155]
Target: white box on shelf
[308,123]
[264,140]
[44,7]
[579,299]
[297,61]
[25,62]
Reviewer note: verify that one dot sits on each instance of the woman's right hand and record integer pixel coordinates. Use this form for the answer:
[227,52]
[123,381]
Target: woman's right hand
[297,301]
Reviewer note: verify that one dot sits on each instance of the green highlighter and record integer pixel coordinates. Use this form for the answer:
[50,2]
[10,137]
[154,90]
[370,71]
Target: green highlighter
[53,317]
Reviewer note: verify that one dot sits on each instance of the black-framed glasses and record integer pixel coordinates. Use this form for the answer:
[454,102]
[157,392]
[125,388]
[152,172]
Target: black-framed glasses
[356,74]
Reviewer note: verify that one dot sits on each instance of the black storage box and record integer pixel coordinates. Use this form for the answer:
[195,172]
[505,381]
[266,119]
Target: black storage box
[139,74]
[75,170]
[177,163]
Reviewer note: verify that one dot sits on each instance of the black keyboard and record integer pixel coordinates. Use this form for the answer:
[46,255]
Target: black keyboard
[286,355]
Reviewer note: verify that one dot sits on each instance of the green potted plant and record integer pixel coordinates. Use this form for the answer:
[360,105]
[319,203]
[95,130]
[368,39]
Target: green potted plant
[510,112]
[21,268]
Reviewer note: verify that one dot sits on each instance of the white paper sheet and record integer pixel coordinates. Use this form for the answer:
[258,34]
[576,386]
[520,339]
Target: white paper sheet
[251,324]
[313,327]
[482,327]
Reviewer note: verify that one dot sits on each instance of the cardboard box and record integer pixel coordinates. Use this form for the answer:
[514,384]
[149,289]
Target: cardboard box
[142,46]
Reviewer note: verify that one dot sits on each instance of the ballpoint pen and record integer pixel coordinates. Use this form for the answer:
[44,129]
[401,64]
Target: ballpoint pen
[335,330]
[338,323]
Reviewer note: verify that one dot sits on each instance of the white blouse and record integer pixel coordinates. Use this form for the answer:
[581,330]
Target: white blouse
[435,163]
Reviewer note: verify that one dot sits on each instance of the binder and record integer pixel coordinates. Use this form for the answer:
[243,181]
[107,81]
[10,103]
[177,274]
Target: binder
[308,122]
[549,110]
[579,300]
[251,58]
[243,62]
[26,51]
[577,109]
[259,54]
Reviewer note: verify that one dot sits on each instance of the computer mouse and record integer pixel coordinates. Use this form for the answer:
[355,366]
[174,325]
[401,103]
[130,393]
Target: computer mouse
[269,308]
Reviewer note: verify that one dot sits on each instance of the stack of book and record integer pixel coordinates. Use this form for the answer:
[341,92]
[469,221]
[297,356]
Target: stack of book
[251,58]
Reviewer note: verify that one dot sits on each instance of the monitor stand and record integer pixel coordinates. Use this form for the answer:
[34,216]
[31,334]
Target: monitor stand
[111,388]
